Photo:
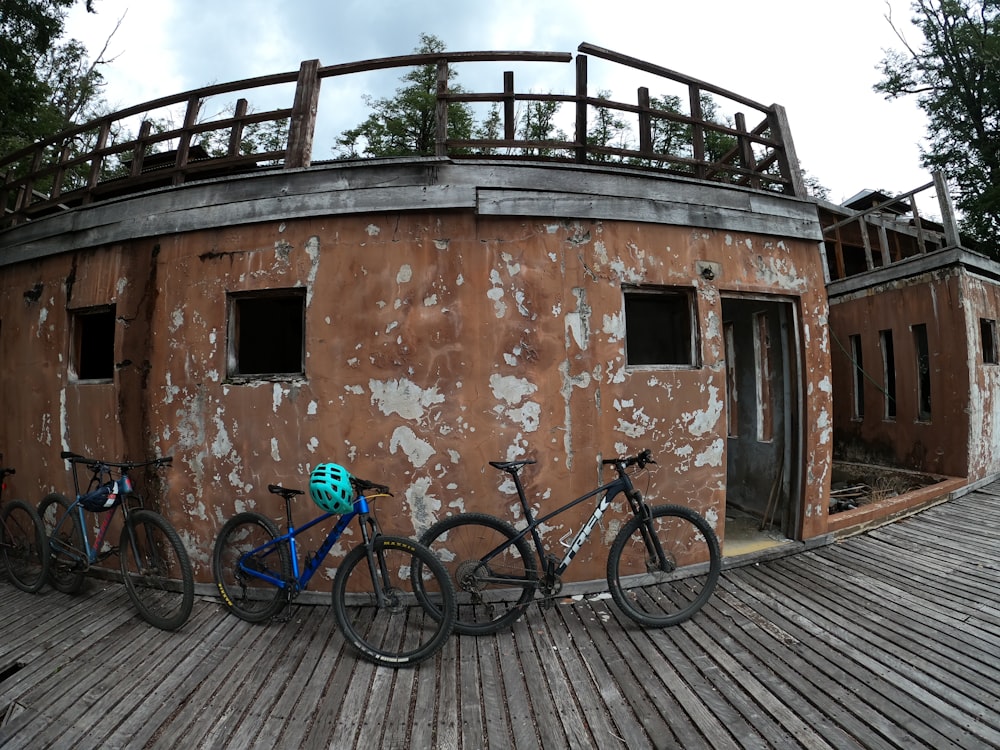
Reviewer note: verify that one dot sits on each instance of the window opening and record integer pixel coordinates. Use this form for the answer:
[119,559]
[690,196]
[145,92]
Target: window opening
[94,343]
[888,374]
[762,352]
[732,394]
[659,328]
[988,333]
[859,377]
[923,372]
[267,333]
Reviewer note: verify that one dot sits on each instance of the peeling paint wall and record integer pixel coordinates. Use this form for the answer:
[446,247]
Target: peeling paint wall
[958,436]
[435,342]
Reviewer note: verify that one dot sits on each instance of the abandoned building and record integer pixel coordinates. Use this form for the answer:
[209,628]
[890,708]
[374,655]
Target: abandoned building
[413,318]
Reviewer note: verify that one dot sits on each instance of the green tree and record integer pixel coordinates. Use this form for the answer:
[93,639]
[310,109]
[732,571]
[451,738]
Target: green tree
[34,88]
[405,125]
[955,75]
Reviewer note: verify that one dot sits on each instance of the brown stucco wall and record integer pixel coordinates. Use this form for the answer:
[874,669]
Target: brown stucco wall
[937,445]
[435,342]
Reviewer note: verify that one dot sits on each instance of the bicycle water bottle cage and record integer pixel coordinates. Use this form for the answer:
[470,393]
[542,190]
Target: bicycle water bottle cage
[105,497]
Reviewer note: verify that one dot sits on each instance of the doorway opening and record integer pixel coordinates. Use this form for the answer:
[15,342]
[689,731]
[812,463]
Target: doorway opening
[763,424]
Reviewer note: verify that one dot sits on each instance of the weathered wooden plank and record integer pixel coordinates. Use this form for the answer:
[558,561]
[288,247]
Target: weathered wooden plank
[518,705]
[901,689]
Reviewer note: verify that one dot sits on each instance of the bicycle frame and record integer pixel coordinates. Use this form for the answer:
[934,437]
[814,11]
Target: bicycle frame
[300,580]
[618,485]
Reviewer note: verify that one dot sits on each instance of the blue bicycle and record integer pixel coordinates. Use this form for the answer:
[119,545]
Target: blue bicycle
[257,571]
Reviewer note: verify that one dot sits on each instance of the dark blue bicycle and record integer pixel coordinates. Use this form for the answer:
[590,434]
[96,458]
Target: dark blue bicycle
[258,572]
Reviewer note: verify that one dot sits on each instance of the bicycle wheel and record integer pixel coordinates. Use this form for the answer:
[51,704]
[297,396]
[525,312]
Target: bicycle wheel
[657,595]
[24,546]
[399,631]
[247,596]
[66,546]
[156,569]
[492,593]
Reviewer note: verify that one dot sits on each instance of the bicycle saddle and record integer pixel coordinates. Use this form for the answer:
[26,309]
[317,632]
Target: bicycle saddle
[511,465]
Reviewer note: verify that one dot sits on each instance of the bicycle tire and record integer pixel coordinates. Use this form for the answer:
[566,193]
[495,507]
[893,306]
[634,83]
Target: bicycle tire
[401,632]
[66,572]
[247,597]
[156,569]
[24,546]
[660,598]
[483,607]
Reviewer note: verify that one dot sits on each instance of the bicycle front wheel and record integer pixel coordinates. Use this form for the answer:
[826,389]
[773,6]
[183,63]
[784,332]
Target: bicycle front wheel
[156,570]
[377,607]
[492,593]
[659,592]
[24,546]
[248,597]
[67,558]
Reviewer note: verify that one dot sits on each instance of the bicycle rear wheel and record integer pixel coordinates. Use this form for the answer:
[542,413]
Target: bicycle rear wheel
[24,546]
[492,593]
[654,594]
[399,631]
[156,570]
[248,597]
[66,560]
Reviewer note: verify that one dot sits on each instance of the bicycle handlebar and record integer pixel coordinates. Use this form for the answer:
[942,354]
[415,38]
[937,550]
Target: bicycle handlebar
[641,459]
[76,458]
[360,485]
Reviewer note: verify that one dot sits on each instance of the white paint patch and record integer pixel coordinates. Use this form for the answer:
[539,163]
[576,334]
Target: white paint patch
[275,455]
[373,230]
[511,389]
[403,397]
[405,274]
[276,396]
[312,408]
[418,451]
[312,445]
[705,420]
[424,507]
[431,300]
[711,456]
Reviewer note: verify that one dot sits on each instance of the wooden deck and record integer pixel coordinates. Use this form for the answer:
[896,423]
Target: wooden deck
[889,639]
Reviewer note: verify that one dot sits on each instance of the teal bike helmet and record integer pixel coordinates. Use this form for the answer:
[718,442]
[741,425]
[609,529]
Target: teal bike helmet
[330,488]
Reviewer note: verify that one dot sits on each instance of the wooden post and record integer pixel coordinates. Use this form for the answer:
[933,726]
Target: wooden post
[441,110]
[697,132]
[303,124]
[581,108]
[236,133]
[951,236]
[747,159]
[788,161]
[184,142]
[509,114]
[139,150]
[645,123]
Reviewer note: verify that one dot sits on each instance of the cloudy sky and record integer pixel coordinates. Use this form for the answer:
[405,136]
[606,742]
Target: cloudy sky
[817,58]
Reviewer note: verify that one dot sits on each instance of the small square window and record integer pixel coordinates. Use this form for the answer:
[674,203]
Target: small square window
[659,327]
[267,333]
[93,355]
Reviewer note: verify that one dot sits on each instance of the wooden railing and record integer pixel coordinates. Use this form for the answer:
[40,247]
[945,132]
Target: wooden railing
[877,237]
[102,159]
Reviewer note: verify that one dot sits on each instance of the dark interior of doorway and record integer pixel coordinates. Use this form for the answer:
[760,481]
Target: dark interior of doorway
[762,419]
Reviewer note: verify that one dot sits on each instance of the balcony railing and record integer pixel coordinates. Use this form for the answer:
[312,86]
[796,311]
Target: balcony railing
[102,159]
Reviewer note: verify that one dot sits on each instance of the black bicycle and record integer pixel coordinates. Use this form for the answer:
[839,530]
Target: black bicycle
[662,566]
[258,573]
[154,564]
[22,541]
